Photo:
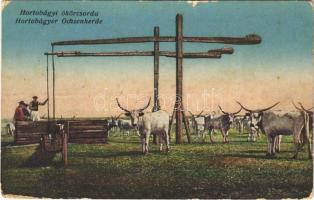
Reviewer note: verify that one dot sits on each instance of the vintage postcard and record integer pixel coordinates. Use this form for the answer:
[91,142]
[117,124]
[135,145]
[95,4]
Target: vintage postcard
[157,99]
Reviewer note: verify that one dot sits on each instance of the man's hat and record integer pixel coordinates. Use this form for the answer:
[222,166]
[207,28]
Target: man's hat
[22,102]
[35,97]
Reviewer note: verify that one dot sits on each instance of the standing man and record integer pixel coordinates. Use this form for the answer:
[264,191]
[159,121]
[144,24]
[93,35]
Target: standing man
[33,106]
[19,114]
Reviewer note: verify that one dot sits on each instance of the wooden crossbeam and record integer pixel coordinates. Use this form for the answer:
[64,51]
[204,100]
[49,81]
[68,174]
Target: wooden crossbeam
[248,39]
[210,54]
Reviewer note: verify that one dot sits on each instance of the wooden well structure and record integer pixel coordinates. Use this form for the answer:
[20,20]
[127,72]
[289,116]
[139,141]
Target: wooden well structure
[179,39]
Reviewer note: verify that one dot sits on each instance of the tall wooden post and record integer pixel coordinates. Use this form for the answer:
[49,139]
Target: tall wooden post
[156,75]
[156,70]
[65,145]
[179,76]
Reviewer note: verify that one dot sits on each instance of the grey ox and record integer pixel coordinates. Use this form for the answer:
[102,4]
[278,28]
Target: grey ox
[221,123]
[198,123]
[276,123]
[125,125]
[149,123]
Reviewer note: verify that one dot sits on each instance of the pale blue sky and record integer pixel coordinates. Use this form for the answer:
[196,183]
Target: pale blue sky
[285,27]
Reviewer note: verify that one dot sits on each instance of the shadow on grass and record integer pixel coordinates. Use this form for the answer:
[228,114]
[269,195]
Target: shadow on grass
[124,141]
[41,159]
[106,154]
[262,155]
[5,144]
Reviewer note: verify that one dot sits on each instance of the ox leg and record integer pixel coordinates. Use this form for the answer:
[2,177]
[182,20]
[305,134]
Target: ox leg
[257,134]
[302,141]
[250,137]
[223,133]
[160,146]
[160,141]
[227,136]
[297,144]
[269,145]
[203,136]
[278,142]
[307,137]
[241,128]
[146,142]
[273,145]
[143,143]
[211,131]
[167,140]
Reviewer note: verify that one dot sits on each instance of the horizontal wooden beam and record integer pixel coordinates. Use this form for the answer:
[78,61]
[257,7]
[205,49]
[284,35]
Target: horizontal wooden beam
[224,50]
[214,54]
[115,41]
[83,54]
[248,39]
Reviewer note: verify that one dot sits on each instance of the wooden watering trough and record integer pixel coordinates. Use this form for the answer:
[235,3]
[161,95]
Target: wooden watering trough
[75,131]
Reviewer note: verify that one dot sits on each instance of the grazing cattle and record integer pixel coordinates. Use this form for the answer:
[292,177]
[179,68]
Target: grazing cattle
[310,114]
[113,122]
[222,123]
[125,126]
[276,123]
[197,123]
[10,129]
[242,122]
[149,123]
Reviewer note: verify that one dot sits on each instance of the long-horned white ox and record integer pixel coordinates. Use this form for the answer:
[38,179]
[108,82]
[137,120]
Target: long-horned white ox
[276,123]
[149,123]
[221,123]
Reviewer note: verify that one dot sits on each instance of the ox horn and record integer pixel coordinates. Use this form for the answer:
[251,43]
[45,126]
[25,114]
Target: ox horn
[121,106]
[307,110]
[296,106]
[258,110]
[248,110]
[191,113]
[222,110]
[119,116]
[141,109]
[237,111]
[268,108]
[200,113]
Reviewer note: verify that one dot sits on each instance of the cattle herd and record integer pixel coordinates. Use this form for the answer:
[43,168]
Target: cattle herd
[273,124]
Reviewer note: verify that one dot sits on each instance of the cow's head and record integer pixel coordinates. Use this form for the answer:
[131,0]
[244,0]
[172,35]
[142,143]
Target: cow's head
[256,115]
[231,116]
[114,120]
[134,114]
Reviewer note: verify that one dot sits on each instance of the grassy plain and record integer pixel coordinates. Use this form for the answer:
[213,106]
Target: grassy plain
[199,170]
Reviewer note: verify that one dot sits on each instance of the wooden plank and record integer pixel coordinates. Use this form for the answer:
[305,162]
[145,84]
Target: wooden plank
[28,138]
[87,122]
[87,127]
[31,129]
[248,39]
[208,54]
[65,148]
[26,142]
[87,132]
[114,41]
[31,133]
[25,123]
